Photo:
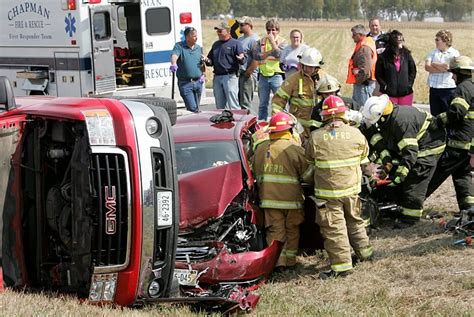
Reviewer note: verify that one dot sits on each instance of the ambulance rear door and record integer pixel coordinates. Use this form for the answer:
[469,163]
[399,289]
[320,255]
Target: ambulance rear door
[103,63]
[158,41]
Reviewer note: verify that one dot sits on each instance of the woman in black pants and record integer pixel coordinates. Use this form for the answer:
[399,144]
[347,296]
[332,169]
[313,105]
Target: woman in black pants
[396,71]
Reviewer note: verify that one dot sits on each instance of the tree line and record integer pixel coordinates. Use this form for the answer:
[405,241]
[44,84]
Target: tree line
[450,10]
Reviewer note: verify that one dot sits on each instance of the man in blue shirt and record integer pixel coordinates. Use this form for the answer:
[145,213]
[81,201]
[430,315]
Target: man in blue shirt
[226,55]
[186,62]
[248,71]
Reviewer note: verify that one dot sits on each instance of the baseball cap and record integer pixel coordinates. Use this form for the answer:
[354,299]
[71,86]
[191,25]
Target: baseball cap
[222,25]
[245,19]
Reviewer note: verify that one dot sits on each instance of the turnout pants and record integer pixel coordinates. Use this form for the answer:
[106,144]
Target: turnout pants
[283,225]
[342,227]
[455,162]
[415,186]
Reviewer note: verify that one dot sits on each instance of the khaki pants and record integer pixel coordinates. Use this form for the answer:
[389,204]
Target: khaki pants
[342,227]
[283,225]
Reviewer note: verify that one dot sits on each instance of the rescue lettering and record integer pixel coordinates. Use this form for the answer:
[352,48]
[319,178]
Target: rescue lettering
[157,73]
[28,7]
[337,136]
[273,168]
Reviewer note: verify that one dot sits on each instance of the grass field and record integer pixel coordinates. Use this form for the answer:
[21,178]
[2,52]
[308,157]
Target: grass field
[334,41]
[417,271]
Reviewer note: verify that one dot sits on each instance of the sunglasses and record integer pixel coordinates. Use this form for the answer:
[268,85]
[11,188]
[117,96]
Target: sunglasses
[271,30]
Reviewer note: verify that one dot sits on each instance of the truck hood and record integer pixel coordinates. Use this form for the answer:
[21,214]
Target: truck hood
[204,195]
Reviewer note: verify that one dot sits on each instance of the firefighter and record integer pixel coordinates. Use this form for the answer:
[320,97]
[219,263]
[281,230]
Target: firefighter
[279,166]
[459,121]
[329,86]
[338,150]
[417,140]
[299,90]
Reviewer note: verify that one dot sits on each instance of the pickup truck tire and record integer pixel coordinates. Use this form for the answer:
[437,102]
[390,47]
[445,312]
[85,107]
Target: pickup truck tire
[168,104]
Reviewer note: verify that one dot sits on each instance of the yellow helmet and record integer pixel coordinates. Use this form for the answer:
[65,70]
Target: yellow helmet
[328,84]
[462,64]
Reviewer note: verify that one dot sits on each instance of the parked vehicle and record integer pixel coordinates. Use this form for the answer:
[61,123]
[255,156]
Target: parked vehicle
[79,48]
[88,197]
[221,246]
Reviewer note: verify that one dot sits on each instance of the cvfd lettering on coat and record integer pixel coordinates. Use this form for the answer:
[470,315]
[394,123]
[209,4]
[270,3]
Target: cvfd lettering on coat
[273,168]
[110,207]
[336,136]
[28,7]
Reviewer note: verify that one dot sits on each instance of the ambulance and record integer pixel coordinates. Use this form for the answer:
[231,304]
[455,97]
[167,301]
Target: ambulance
[80,48]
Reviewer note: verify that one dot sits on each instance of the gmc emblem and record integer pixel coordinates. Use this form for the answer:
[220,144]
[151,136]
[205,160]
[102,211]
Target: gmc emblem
[110,214]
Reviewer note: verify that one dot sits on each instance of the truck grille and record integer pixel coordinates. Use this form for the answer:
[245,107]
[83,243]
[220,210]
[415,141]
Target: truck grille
[110,191]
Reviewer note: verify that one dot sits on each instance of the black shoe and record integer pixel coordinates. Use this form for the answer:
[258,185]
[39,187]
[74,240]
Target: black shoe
[333,274]
[356,260]
[279,269]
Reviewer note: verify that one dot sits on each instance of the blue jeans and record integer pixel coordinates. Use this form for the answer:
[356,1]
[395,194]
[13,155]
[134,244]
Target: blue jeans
[440,99]
[265,84]
[226,91]
[191,92]
[361,92]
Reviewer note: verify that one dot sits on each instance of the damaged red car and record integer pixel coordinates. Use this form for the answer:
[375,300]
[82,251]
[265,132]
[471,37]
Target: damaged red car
[222,252]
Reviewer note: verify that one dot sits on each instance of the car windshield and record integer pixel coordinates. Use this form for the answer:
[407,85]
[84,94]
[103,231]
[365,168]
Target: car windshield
[196,156]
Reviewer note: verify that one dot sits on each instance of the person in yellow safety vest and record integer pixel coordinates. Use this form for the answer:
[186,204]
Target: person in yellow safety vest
[338,150]
[266,54]
[416,139]
[280,166]
[361,70]
[299,90]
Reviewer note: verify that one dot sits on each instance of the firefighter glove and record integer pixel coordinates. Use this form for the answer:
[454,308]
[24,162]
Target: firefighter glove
[173,68]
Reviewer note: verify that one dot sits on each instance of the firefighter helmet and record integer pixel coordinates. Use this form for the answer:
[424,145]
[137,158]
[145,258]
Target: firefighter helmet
[328,84]
[374,108]
[462,64]
[280,121]
[333,105]
[311,57]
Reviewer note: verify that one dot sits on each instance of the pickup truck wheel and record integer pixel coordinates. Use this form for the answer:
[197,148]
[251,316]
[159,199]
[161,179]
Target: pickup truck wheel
[168,104]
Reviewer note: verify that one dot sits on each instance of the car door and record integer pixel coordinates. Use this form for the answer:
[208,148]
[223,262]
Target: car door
[103,64]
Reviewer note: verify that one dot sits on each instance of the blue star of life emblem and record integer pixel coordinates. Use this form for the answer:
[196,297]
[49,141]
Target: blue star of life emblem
[70,24]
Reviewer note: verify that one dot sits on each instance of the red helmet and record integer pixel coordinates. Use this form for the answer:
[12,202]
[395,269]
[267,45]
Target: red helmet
[332,105]
[280,121]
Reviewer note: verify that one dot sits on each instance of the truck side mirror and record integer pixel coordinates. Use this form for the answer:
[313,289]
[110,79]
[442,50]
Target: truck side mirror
[7,99]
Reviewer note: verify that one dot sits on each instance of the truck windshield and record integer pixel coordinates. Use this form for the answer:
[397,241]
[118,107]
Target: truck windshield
[195,156]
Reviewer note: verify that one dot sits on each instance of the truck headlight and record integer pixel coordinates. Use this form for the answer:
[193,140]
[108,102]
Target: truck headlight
[100,127]
[152,126]
[154,289]
[103,287]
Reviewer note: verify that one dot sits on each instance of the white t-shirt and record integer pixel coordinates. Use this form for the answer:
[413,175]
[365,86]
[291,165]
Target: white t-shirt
[289,57]
[444,79]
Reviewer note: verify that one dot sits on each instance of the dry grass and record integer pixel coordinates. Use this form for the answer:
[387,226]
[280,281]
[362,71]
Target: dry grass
[417,272]
[334,41]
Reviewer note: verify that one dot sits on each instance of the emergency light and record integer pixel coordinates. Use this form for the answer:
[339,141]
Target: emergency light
[185,18]
[71,4]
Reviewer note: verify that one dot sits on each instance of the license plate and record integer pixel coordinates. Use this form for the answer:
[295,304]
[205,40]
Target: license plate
[186,277]
[165,209]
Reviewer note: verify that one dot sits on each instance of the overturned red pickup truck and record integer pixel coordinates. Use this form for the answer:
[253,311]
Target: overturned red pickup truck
[88,197]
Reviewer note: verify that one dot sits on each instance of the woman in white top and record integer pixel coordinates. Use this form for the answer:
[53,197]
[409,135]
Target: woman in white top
[289,56]
[441,81]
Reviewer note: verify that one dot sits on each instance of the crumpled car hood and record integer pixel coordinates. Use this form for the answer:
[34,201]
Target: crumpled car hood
[204,195]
